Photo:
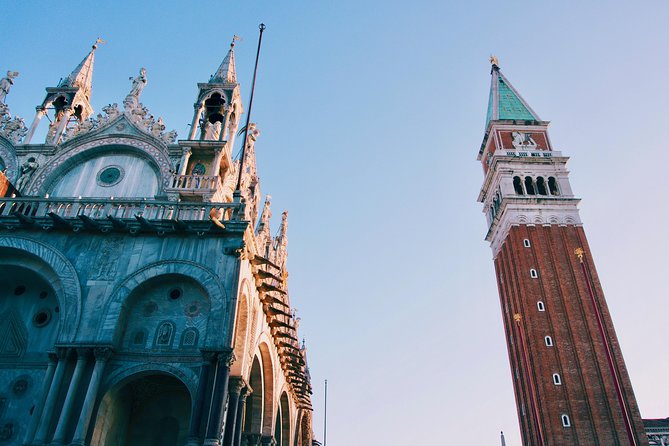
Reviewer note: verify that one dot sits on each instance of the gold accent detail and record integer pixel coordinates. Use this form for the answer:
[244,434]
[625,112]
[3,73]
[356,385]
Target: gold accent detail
[517,317]
[494,60]
[579,253]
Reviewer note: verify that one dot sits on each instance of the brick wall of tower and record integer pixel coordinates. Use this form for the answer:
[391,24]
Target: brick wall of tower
[587,393]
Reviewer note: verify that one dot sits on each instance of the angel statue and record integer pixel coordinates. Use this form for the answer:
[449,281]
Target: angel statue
[6,83]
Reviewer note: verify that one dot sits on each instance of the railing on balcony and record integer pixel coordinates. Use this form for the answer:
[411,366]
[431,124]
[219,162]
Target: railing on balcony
[102,208]
[194,182]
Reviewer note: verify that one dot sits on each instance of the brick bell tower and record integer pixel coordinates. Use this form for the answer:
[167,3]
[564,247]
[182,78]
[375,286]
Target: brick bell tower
[570,380]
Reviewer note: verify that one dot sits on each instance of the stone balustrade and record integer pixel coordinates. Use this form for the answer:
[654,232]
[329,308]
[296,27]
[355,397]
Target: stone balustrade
[103,208]
[194,182]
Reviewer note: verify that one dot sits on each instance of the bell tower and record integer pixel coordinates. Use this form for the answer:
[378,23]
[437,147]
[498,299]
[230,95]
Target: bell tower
[570,381]
[69,100]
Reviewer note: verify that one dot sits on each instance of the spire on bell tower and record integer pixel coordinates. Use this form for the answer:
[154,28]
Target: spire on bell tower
[227,72]
[70,100]
[505,103]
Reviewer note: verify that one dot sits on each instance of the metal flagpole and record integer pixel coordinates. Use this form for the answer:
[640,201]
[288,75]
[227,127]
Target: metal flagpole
[325,423]
[248,115]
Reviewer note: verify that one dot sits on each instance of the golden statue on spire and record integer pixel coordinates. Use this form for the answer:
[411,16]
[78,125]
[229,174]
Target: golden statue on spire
[494,61]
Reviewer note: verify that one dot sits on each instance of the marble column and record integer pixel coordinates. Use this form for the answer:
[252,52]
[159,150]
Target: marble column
[224,124]
[66,411]
[185,156]
[102,355]
[216,165]
[52,398]
[241,409]
[236,386]
[196,119]
[62,126]
[219,394]
[195,430]
[39,114]
[39,407]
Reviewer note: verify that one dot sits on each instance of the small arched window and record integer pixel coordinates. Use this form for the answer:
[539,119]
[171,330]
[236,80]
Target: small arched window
[541,306]
[549,341]
[541,186]
[552,186]
[565,420]
[518,186]
[533,273]
[529,186]
[556,379]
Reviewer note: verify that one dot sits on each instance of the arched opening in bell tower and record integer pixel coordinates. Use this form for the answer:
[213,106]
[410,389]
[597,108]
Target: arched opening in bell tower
[149,409]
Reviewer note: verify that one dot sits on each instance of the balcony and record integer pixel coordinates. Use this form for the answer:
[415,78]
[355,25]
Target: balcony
[130,215]
[204,186]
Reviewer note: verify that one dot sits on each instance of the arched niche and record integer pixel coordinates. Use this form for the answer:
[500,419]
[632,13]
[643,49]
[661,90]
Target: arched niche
[268,389]
[112,329]
[166,313]
[284,424]
[55,269]
[254,403]
[154,158]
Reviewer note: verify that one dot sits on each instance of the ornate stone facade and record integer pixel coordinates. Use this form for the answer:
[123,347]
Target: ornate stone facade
[140,305]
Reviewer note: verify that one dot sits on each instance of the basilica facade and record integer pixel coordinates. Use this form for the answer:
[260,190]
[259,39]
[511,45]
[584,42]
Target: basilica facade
[144,299]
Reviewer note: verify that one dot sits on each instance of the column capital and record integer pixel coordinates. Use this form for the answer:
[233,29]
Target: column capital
[103,353]
[267,440]
[237,383]
[223,357]
[186,151]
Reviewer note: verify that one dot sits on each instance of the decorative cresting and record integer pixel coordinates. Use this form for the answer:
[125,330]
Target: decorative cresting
[68,158]
[8,156]
[70,300]
[123,374]
[208,279]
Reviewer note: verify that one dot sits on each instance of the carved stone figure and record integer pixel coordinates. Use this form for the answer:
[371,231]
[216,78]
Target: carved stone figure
[158,127]
[164,334]
[138,84]
[111,111]
[170,137]
[27,170]
[6,83]
[15,130]
[523,141]
[81,128]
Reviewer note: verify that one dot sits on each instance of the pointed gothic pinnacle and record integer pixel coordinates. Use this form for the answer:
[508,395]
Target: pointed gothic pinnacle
[82,75]
[227,72]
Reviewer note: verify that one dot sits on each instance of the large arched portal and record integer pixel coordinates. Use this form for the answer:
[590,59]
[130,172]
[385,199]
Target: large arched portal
[146,410]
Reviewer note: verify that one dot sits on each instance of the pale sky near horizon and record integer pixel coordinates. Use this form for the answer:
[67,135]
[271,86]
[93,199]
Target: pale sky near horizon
[371,116]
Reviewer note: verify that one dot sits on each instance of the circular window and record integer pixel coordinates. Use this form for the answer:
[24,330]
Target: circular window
[42,317]
[19,290]
[110,175]
[193,309]
[175,294]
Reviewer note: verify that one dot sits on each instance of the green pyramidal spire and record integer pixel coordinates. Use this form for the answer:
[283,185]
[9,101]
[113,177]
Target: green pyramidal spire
[505,102]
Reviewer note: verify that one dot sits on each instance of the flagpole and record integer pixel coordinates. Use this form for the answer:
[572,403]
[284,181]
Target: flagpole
[325,423]
[248,115]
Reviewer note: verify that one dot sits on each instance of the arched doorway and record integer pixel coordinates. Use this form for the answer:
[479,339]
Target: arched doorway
[145,410]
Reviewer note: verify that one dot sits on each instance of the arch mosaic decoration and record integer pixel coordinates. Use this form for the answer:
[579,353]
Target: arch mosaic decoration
[63,278]
[218,327]
[10,160]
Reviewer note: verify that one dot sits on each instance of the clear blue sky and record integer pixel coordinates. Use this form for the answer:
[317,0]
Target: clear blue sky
[371,116]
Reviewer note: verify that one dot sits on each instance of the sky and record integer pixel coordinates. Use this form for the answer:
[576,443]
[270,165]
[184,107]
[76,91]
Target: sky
[371,116]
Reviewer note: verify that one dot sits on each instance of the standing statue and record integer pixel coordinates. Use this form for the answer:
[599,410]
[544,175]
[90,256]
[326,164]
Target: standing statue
[158,127]
[6,83]
[27,170]
[138,84]
[15,130]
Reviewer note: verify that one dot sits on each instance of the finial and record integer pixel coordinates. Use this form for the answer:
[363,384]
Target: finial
[494,61]
[262,27]
[235,38]
[98,41]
